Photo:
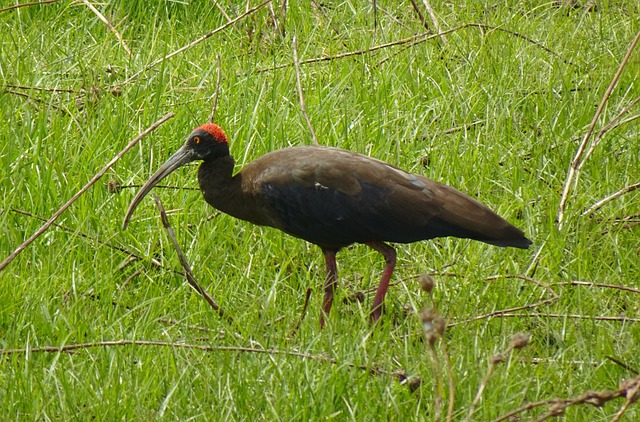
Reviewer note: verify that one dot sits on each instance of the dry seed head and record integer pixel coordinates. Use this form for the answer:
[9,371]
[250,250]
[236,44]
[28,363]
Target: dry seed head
[113,186]
[427,283]
[498,358]
[520,340]
[414,383]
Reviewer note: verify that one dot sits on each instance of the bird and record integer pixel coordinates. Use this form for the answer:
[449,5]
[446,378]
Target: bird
[334,198]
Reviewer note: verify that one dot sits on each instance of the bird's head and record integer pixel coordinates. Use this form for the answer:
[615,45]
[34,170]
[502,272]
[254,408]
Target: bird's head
[206,142]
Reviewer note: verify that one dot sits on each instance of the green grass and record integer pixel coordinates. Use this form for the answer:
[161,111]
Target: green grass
[397,104]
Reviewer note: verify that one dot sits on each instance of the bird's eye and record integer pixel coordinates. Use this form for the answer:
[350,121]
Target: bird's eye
[196,139]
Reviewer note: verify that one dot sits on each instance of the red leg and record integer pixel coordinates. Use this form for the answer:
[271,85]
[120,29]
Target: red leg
[330,284]
[390,260]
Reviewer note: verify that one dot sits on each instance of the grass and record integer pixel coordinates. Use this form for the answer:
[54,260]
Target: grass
[491,113]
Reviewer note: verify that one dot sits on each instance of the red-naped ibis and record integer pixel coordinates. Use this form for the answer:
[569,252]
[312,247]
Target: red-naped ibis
[333,198]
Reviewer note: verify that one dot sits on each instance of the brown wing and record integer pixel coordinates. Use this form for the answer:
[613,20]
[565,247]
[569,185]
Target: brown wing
[334,197]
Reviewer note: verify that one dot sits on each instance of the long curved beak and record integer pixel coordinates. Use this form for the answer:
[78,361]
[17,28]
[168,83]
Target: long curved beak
[180,158]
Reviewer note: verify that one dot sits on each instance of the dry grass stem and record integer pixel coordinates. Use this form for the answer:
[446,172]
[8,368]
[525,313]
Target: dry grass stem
[215,95]
[614,123]
[557,407]
[221,9]
[603,285]
[593,208]
[195,42]
[434,20]
[561,316]
[86,187]
[433,327]
[574,169]
[510,311]
[303,107]
[418,38]
[518,341]
[185,264]
[420,15]
[111,27]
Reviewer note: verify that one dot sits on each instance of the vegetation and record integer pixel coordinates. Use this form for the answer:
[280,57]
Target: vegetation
[496,109]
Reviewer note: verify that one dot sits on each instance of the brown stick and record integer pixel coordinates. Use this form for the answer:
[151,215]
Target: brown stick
[91,182]
[574,168]
[195,42]
[185,264]
[303,107]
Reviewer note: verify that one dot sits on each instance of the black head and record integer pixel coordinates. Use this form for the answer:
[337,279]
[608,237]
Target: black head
[206,142]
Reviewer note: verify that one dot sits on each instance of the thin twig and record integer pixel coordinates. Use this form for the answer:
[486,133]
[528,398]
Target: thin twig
[90,238]
[426,36]
[623,319]
[35,88]
[303,107]
[623,365]
[216,4]
[604,285]
[110,343]
[510,311]
[36,3]
[574,168]
[215,96]
[111,27]
[416,8]
[610,198]
[71,348]
[185,264]
[91,182]
[195,42]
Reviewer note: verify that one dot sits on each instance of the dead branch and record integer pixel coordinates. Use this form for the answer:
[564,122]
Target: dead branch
[86,187]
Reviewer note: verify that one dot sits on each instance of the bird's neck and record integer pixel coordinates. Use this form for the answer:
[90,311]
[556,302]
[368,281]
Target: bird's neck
[221,188]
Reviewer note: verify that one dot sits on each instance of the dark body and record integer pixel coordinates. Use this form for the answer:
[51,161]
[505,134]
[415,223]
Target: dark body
[333,198]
